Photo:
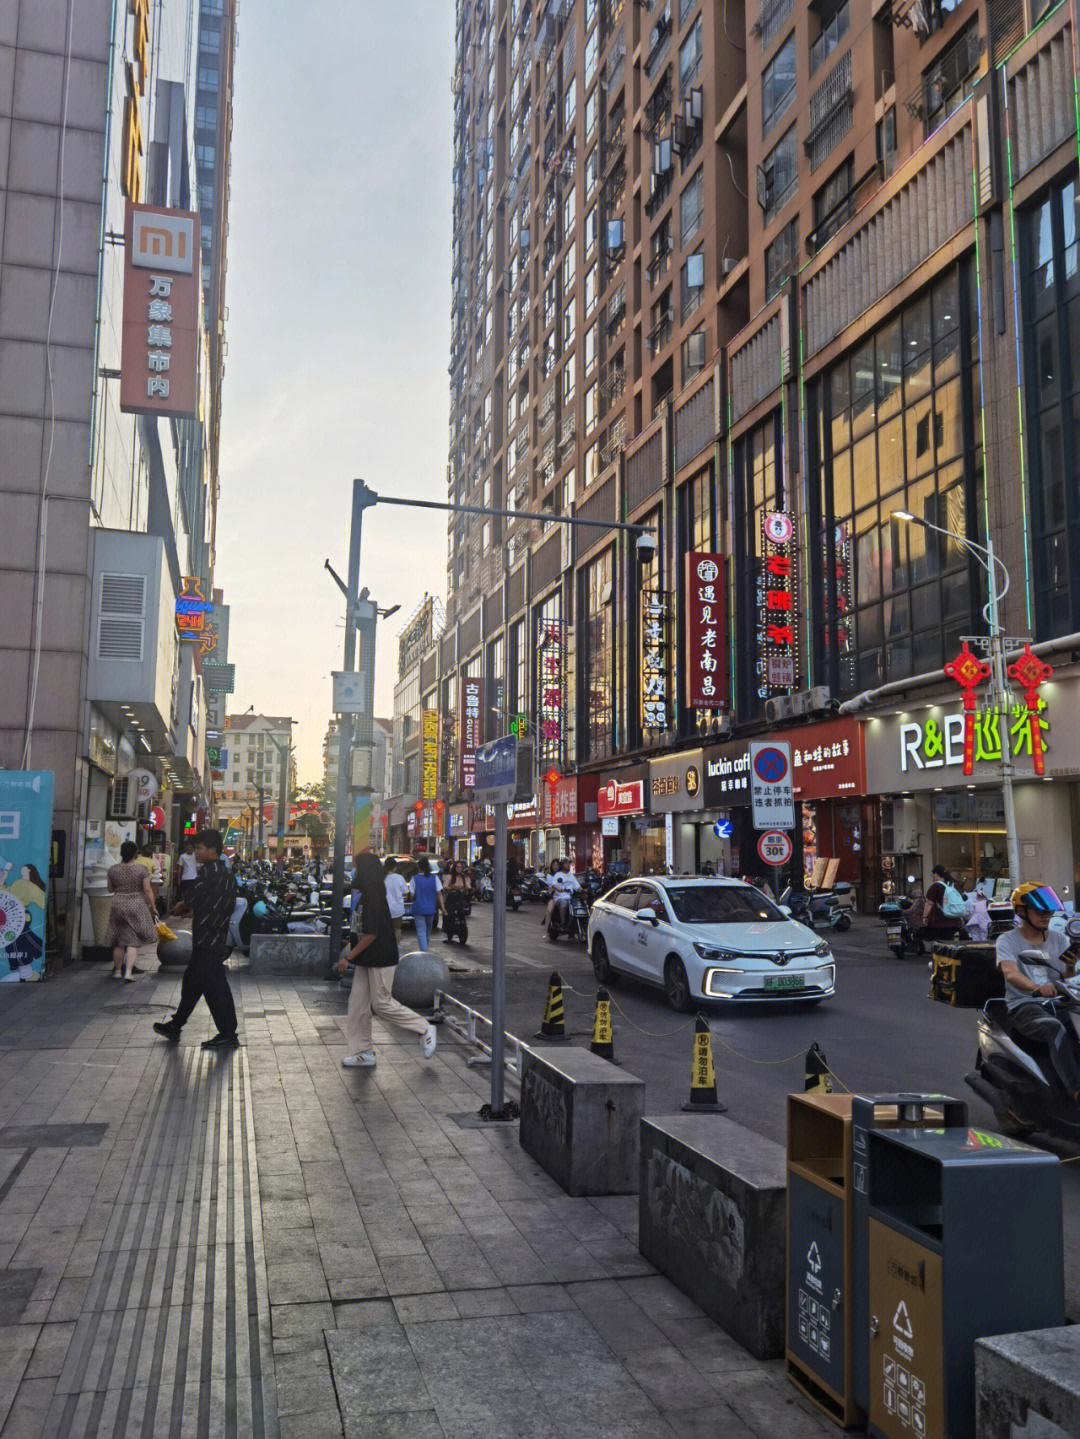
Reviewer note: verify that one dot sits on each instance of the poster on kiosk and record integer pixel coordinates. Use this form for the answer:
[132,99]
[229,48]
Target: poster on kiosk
[26,805]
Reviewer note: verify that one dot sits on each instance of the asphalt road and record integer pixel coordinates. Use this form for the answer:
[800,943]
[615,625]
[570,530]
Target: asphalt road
[881,1033]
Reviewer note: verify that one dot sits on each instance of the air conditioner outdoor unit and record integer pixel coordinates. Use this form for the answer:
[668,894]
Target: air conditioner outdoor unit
[780,708]
[820,697]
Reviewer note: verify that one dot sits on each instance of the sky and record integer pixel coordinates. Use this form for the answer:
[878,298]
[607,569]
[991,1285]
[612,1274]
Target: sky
[338,338]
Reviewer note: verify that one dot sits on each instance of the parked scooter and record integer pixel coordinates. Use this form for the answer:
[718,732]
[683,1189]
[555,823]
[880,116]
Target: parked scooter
[513,896]
[1015,1076]
[483,886]
[901,934]
[533,888]
[816,908]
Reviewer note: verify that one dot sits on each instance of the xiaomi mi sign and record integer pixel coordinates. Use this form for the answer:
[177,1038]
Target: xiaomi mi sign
[159,353]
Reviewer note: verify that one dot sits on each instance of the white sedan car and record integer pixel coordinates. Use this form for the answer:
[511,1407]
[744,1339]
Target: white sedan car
[707,939]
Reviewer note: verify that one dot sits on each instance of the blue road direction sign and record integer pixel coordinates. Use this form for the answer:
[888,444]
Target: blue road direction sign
[771,795]
[503,771]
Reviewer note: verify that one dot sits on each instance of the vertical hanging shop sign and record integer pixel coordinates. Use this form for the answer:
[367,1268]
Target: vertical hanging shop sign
[655,712]
[551,682]
[777,623]
[472,728]
[845,594]
[448,766]
[429,778]
[706,632]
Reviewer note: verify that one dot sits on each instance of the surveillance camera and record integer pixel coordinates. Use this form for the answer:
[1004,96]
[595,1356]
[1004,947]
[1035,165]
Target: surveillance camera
[646,545]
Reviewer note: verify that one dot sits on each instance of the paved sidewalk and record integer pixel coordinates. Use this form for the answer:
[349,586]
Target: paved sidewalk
[263,1243]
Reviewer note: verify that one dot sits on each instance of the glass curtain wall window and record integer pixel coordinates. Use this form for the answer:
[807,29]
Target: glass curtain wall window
[893,427]
[598,675]
[551,692]
[1052,362]
[759,489]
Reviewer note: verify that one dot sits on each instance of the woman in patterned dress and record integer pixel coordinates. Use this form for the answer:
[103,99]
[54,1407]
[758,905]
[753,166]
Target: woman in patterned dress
[133,916]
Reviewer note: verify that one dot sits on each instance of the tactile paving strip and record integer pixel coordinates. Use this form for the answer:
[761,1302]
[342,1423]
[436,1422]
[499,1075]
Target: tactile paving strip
[174,1338]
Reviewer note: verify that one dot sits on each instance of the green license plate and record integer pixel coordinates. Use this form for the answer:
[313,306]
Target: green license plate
[783,981]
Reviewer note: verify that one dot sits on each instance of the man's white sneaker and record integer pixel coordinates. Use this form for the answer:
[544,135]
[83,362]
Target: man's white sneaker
[427,1042]
[365,1060]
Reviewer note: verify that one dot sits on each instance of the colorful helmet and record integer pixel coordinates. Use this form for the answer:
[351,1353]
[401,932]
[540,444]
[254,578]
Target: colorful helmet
[259,909]
[1037,896]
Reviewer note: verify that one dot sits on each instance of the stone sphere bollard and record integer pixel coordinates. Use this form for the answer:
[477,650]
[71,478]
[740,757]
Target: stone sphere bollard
[416,978]
[175,953]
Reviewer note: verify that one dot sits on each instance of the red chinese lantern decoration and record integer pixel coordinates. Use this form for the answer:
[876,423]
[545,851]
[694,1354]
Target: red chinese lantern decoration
[419,806]
[1030,672]
[969,672]
[552,778]
[439,806]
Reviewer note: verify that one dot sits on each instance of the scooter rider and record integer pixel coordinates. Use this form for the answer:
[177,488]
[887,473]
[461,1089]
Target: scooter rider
[1030,985]
[563,884]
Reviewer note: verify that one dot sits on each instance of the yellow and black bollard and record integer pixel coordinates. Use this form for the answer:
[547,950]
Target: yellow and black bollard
[603,1042]
[703,1098]
[553,1025]
[817,1077]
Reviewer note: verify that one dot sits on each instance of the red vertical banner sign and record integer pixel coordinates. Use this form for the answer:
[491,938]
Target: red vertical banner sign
[472,728]
[551,687]
[778,625]
[706,631]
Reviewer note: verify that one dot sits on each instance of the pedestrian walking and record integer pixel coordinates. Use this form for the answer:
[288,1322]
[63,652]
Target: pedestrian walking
[374,952]
[426,891]
[133,913]
[396,890]
[187,871]
[212,902]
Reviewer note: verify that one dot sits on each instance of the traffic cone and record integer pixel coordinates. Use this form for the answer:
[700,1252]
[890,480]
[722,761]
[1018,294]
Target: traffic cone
[703,1098]
[817,1078]
[603,1043]
[553,1025]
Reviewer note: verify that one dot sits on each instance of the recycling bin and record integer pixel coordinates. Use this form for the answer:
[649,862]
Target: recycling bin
[964,1241]
[818,1353]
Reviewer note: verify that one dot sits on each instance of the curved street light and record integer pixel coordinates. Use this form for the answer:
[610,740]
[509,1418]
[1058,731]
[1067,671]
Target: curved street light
[984,555]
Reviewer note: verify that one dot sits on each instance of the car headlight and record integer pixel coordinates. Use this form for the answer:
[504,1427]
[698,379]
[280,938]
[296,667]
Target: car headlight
[717,956]
[821,950]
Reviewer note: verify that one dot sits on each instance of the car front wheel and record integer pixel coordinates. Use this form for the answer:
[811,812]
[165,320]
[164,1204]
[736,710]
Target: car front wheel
[601,964]
[676,985]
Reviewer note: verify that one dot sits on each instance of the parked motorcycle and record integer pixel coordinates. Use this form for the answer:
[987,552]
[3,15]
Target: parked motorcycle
[570,917]
[816,908]
[1015,1075]
[533,888]
[513,896]
[901,935]
[483,886]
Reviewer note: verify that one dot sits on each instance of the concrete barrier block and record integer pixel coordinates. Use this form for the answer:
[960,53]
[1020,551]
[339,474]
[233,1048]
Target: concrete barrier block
[305,954]
[711,1217]
[580,1119]
[1027,1386]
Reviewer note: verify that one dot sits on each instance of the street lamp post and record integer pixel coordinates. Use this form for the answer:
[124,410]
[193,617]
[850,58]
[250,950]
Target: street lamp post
[985,556]
[284,752]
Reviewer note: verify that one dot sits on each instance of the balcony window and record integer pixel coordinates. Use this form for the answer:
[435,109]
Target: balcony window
[833,30]
[691,209]
[590,349]
[778,177]
[693,354]
[592,54]
[781,258]
[778,85]
[569,104]
[834,204]
[691,52]
[693,282]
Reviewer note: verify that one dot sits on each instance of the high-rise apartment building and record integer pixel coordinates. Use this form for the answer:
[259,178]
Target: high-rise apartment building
[105,505]
[214,63]
[794,287]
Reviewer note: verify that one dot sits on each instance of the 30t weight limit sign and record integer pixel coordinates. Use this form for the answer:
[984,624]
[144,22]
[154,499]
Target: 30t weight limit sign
[771,794]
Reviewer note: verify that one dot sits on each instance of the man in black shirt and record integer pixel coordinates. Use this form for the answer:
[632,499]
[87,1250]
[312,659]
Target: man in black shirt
[374,952]
[212,902]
